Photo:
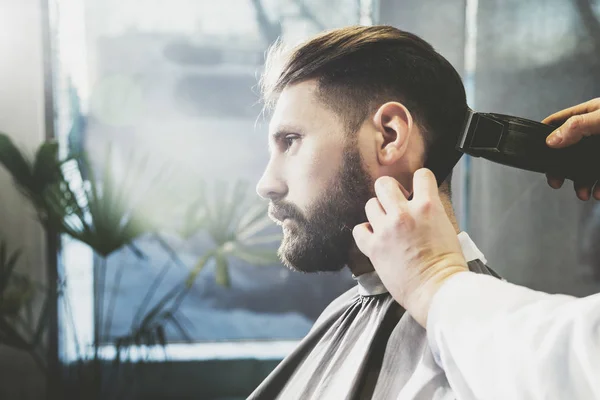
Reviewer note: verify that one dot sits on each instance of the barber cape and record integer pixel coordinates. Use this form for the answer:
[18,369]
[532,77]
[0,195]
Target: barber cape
[364,346]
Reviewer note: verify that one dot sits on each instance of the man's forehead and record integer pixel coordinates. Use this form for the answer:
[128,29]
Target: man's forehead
[293,102]
[297,109]
[287,120]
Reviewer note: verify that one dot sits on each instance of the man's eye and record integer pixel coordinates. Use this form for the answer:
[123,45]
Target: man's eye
[289,140]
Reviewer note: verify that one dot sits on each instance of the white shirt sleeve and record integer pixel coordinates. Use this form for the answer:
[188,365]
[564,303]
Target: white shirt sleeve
[496,340]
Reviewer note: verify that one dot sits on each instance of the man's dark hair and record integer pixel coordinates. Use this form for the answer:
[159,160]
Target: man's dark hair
[359,68]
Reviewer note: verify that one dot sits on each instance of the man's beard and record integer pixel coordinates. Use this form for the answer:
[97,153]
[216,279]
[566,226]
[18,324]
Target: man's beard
[321,238]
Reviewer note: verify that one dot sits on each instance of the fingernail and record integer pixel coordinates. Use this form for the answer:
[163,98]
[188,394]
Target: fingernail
[554,184]
[554,139]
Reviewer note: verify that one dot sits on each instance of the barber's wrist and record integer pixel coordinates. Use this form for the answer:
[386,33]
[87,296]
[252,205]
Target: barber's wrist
[419,303]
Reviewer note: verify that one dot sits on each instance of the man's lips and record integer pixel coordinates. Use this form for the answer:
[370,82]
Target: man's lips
[281,221]
[278,216]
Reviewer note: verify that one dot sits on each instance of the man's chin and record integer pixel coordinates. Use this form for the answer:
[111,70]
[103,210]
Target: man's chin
[301,262]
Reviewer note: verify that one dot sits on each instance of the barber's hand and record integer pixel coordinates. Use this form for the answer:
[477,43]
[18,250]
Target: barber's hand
[577,122]
[412,244]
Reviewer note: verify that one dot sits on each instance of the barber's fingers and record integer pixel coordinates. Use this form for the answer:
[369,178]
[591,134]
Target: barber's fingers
[555,182]
[577,122]
[362,234]
[425,185]
[390,193]
[583,190]
[576,128]
[583,108]
[375,212]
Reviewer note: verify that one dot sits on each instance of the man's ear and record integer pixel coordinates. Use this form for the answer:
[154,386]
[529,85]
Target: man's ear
[393,123]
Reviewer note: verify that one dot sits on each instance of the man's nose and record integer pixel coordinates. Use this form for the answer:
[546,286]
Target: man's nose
[271,185]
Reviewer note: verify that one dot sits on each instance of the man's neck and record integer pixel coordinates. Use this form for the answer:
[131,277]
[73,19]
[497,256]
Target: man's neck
[360,264]
[446,202]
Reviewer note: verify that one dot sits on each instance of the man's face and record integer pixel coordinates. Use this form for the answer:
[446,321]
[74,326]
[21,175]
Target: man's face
[316,181]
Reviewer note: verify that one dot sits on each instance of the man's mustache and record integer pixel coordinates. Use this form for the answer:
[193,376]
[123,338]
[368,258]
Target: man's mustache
[280,211]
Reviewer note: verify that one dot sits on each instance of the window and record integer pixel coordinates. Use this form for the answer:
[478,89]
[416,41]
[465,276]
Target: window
[177,81]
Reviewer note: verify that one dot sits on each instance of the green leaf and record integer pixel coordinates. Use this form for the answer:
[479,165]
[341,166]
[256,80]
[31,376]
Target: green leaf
[195,218]
[137,251]
[198,267]
[46,167]
[149,338]
[262,240]
[158,308]
[160,335]
[255,256]
[43,321]
[7,267]
[231,205]
[179,327]
[108,212]
[255,213]
[15,163]
[234,226]
[222,270]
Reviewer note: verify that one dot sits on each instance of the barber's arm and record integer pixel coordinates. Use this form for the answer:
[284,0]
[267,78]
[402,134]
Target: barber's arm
[494,340]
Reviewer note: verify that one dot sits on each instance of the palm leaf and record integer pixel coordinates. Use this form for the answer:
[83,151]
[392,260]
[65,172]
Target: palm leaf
[257,226]
[261,240]
[231,206]
[198,267]
[254,256]
[222,270]
[156,207]
[234,220]
[255,213]
[196,216]
[161,336]
[226,213]
[231,212]
[16,164]
[178,326]
[194,219]
[46,168]
[32,178]
[43,321]
[103,211]
[7,266]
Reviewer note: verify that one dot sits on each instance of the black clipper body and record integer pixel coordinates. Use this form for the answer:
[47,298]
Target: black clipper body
[521,143]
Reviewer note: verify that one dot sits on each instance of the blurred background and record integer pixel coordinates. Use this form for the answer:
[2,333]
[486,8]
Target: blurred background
[153,108]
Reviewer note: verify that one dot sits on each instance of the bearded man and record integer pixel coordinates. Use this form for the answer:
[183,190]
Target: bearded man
[348,107]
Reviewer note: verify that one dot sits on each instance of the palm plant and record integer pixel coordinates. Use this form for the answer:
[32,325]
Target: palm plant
[108,213]
[32,178]
[17,294]
[104,212]
[235,223]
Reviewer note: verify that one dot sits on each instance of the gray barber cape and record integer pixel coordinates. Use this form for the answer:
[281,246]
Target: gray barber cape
[363,346]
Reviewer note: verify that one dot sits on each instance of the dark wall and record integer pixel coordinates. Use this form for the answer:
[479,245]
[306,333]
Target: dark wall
[439,22]
[532,58]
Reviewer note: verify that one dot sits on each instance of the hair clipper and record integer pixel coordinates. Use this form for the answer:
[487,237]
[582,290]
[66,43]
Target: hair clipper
[521,143]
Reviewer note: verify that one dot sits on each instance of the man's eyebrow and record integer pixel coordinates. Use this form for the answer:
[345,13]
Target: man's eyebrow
[280,133]
[284,130]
